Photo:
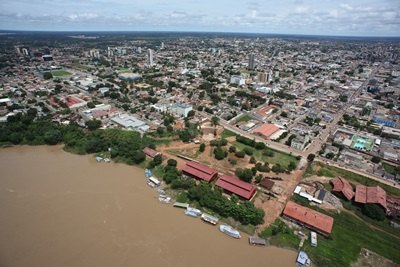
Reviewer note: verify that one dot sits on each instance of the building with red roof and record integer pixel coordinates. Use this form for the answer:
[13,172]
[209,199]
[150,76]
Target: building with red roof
[150,152]
[371,195]
[236,186]
[308,217]
[342,187]
[266,130]
[199,171]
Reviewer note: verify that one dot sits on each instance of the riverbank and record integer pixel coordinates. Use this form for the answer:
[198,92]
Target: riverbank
[61,209]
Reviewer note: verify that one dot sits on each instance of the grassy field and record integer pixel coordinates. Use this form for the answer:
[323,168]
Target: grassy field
[278,157]
[321,169]
[389,168]
[227,133]
[60,73]
[280,235]
[244,118]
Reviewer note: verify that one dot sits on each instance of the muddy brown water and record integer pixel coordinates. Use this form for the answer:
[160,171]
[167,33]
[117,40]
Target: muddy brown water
[60,209]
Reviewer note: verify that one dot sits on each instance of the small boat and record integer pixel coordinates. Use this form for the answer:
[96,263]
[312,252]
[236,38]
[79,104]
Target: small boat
[191,213]
[164,199]
[107,160]
[303,259]
[226,229]
[151,184]
[181,205]
[195,211]
[161,191]
[99,159]
[209,218]
[147,173]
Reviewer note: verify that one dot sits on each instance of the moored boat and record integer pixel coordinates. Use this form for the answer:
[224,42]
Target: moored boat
[191,213]
[229,230]
[194,210]
[147,173]
[209,218]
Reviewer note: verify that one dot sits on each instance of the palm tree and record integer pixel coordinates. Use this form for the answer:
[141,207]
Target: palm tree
[215,122]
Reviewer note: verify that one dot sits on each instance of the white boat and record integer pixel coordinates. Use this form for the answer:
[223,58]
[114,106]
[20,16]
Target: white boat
[164,199]
[229,230]
[147,173]
[195,211]
[209,218]
[191,213]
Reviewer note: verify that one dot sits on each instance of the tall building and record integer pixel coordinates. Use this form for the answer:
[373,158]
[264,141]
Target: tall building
[162,45]
[262,77]
[139,50]
[251,62]
[150,58]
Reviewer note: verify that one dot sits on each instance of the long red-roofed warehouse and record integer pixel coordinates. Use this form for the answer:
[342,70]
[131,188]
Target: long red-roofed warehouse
[236,186]
[199,171]
[308,217]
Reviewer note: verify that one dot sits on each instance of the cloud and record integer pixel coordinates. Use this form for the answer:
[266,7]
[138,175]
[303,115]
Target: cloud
[281,16]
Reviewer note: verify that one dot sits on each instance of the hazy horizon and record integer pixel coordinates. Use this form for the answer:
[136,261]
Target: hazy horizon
[329,18]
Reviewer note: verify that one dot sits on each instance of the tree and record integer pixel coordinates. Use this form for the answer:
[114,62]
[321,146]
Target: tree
[375,159]
[232,149]
[202,147]
[91,105]
[374,211]
[157,160]
[172,163]
[191,113]
[47,75]
[214,121]
[219,153]
[244,174]
[291,166]
[240,154]
[252,160]
[311,157]
[93,125]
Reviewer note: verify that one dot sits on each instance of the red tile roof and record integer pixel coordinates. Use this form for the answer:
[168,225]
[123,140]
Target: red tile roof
[150,152]
[266,130]
[267,183]
[371,194]
[341,185]
[310,218]
[236,186]
[200,171]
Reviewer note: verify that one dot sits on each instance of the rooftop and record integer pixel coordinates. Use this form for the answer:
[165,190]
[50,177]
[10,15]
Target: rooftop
[200,171]
[236,186]
[309,217]
[371,194]
[266,129]
[342,186]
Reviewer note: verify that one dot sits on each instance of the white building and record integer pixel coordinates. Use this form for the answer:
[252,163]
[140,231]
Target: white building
[150,62]
[239,80]
[182,109]
[129,122]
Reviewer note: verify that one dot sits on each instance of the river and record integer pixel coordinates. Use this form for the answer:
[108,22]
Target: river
[60,209]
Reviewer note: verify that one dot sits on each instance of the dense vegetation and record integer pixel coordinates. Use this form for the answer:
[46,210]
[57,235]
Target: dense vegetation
[244,212]
[125,146]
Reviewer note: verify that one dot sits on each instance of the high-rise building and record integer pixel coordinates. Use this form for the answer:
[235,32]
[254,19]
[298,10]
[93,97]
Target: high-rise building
[262,77]
[150,58]
[251,62]
[162,45]
[139,50]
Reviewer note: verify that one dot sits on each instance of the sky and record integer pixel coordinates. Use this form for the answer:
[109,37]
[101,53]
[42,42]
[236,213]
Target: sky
[317,17]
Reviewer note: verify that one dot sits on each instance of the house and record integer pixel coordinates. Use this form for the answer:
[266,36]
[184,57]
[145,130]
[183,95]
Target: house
[300,142]
[267,183]
[150,152]
[308,217]
[236,186]
[266,130]
[199,171]
[371,195]
[342,187]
